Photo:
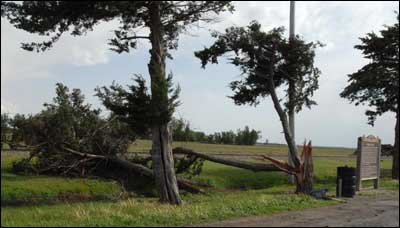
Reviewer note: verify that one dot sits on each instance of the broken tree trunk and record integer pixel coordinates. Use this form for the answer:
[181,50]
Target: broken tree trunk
[304,172]
[230,162]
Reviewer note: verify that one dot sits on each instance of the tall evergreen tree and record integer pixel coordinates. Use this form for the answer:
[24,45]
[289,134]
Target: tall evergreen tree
[377,83]
[165,20]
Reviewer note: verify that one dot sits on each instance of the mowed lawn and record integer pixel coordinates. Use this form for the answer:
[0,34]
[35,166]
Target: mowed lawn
[236,193]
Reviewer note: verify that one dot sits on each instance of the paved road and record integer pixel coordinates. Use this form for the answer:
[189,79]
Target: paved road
[378,210]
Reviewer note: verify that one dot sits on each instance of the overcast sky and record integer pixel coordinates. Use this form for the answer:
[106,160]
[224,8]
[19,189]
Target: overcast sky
[28,79]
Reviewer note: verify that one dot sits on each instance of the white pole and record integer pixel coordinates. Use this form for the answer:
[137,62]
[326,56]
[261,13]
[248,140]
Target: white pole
[292,117]
[292,21]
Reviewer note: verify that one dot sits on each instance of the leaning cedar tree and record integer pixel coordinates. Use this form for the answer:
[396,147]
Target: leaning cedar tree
[267,61]
[165,20]
[377,83]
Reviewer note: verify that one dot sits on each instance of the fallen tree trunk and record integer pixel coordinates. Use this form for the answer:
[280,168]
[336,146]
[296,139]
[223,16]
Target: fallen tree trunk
[303,172]
[230,162]
[184,184]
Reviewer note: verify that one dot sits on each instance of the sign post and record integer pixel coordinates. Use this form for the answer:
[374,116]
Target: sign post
[368,160]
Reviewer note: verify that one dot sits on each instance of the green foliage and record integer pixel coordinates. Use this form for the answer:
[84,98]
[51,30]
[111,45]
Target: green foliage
[135,106]
[16,131]
[377,83]
[131,107]
[70,123]
[5,128]
[253,51]
[5,122]
[188,166]
[54,18]
[247,137]
[183,132]
[24,166]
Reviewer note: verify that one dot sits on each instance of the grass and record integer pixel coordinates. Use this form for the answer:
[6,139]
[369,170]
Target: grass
[145,145]
[225,177]
[147,212]
[237,193]
[19,189]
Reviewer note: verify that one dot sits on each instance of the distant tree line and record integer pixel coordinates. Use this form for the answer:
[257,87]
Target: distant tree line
[183,132]
[14,130]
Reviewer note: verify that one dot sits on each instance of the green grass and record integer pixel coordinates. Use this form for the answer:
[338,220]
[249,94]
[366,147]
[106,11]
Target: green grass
[148,212]
[225,177]
[145,145]
[19,189]
[237,193]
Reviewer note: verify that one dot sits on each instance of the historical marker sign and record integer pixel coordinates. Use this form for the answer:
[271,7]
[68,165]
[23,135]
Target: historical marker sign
[368,160]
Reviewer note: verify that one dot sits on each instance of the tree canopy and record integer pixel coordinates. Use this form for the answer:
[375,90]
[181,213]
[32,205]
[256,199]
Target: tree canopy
[249,48]
[134,106]
[55,18]
[377,83]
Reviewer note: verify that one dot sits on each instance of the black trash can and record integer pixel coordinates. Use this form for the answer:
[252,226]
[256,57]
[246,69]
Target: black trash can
[346,176]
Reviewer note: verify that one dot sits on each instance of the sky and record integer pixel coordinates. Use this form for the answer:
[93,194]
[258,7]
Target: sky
[28,78]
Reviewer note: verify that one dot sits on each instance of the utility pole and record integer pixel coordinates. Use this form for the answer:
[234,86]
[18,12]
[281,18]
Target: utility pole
[292,88]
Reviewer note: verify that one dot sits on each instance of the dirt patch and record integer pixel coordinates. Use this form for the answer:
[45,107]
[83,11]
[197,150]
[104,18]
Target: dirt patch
[370,209]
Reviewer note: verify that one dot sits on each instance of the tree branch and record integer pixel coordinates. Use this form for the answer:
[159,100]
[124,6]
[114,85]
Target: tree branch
[135,37]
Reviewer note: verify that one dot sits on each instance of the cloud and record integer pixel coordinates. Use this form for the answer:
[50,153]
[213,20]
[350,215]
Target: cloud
[18,64]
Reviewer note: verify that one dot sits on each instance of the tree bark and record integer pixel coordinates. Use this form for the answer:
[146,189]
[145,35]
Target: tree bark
[395,165]
[304,180]
[184,184]
[282,116]
[163,162]
[230,162]
[291,114]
